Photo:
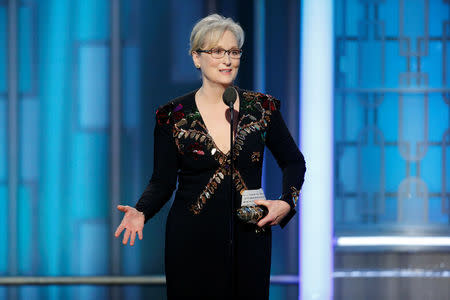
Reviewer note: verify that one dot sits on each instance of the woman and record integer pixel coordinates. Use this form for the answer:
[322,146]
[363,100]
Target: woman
[192,144]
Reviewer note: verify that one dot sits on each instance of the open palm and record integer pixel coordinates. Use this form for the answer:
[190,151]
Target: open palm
[132,222]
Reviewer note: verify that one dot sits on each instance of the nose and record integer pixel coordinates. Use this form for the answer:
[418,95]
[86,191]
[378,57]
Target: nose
[227,58]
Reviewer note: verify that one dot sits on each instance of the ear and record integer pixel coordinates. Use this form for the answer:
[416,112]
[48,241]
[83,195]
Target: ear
[196,58]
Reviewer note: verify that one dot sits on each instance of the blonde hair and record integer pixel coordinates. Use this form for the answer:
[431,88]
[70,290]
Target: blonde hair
[210,29]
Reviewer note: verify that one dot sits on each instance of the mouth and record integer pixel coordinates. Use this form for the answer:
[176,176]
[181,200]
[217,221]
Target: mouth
[225,71]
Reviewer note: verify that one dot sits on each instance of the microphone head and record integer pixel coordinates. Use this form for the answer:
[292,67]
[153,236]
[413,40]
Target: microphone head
[229,96]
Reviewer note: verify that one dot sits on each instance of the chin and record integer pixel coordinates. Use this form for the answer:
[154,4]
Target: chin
[226,83]
[222,81]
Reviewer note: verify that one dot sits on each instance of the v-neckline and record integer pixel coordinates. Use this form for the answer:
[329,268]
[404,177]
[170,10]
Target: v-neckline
[206,128]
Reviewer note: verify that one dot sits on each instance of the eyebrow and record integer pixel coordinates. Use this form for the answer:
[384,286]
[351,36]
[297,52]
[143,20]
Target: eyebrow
[219,47]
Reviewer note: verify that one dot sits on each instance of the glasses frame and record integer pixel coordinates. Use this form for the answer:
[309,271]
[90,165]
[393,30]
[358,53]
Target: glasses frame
[225,51]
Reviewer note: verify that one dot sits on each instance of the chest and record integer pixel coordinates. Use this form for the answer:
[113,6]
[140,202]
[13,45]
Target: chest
[217,120]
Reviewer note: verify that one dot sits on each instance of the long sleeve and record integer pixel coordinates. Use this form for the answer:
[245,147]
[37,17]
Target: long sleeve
[288,157]
[165,167]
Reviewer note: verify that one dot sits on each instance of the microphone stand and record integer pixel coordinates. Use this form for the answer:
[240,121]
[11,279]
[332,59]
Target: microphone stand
[232,245]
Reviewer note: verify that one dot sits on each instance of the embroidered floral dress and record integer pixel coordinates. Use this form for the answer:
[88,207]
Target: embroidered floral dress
[197,255]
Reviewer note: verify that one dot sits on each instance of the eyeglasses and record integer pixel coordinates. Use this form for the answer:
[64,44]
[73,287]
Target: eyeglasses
[219,52]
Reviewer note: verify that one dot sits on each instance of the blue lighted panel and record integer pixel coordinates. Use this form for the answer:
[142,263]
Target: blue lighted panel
[131,157]
[92,242]
[392,145]
[89,151]
[88,148]
[28,148]
[53,86]
[142,41]
[3,49]
[92,20]
[3,187]
[28,191]
[3,124]
[27,48]
[3,145]
[93,84]
[131,164]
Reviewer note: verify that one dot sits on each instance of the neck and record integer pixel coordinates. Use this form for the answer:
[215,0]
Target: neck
[212,92]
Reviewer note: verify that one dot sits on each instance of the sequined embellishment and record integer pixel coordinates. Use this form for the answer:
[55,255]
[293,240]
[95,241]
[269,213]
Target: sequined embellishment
[168,111]
[209,190]
[263,136]
[260,230]
[293,195]
[239,182]
[253,102]
[255,156]
[196,150]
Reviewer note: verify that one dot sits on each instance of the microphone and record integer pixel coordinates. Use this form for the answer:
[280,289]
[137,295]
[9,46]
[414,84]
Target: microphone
[229,96]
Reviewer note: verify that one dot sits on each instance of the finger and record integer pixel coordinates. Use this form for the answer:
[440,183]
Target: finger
[140,234]
[119,230]
[133,237]
[262,202]
[123,208]
[264,221]
[275,222]
[126,236]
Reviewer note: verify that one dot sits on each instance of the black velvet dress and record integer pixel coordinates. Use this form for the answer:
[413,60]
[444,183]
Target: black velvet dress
[197,252]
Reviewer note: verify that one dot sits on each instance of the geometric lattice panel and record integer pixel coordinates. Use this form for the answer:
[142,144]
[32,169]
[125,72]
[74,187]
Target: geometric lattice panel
[392,116]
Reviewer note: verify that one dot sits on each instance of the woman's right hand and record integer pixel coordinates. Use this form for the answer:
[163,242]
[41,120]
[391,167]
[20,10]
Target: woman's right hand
[132,222]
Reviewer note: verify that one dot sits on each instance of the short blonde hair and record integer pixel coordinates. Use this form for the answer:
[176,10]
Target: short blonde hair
[210,29]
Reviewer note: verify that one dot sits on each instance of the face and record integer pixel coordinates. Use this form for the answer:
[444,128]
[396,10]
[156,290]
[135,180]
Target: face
[223,70]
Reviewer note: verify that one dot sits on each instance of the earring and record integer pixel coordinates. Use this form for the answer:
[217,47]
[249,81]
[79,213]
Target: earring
[197,66]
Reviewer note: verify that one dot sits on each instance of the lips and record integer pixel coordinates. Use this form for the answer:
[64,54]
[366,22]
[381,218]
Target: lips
[225,70]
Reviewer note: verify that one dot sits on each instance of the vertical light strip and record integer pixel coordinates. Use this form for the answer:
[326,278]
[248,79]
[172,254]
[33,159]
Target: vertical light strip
[116,124]
[316,65]
[259,56]
[13,147]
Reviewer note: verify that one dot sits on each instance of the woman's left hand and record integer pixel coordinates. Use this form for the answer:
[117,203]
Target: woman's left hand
[278,209]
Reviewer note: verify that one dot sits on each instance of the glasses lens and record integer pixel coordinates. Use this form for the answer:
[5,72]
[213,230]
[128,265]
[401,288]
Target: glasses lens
[217,53]
[235,53]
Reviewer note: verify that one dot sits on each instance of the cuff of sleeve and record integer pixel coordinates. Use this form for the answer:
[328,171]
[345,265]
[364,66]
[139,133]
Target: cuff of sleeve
[288,217]
[290,198]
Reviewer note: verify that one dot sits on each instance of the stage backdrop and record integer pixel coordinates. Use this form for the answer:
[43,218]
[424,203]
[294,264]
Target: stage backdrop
[392,116]
[392,143]
[59,167]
